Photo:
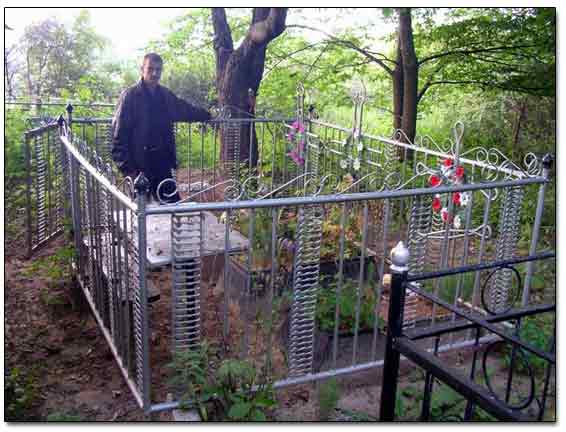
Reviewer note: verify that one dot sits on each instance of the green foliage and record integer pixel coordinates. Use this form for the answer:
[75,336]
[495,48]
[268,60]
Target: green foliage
[506,48]
[449,287]
[400,409]
[58,56]
[15,126]
[234,385]
[328,394]
[53,267]
[233,391]
[537,331]
[326,306]
[64,417]
[189,377]
[20,393]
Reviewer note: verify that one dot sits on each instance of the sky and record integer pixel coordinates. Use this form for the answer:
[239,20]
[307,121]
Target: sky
[128,29]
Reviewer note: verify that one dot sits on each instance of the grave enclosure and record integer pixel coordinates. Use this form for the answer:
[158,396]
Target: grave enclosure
[286,262]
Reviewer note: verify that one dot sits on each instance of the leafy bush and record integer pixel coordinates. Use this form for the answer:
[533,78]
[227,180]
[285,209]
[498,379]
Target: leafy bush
[20,393]
[234,391]
[328,395]
[326,307]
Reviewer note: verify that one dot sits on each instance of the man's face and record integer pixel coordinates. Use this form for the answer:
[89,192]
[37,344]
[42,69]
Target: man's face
[151,72]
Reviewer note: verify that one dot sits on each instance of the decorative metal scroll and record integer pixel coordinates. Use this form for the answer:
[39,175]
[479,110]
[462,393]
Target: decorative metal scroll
[500,293]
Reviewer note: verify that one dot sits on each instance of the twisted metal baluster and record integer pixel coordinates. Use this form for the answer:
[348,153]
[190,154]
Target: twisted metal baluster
[186,244]
[420,223]
[509,225]
[305,284]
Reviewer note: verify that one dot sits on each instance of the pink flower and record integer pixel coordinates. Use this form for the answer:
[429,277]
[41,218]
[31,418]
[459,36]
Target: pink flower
[445,215]
[297,125]
[296,157]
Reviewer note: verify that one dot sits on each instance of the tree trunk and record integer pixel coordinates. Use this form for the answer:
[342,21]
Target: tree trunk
[239,73]
[520,116]
[410,74]
[398,89]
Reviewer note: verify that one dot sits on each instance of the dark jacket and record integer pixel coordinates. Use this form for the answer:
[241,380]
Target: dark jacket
[143,123]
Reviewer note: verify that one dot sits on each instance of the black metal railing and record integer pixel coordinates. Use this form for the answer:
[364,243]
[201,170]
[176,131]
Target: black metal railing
[505,342]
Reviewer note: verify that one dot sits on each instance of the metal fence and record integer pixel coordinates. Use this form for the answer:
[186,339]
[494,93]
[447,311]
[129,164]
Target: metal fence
[283,262]
[519,397]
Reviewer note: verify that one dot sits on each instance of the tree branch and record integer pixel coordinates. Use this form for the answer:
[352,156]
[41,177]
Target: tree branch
[349,44]
[267,24]
[288,56]
[488,84]
[427,85]
[222,32]
[471,51]
[223,44]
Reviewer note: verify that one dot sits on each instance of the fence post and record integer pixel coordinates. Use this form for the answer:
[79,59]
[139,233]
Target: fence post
[66,177]
[546,167]
[29,181]
[399,270]
[141,318]
[69,109]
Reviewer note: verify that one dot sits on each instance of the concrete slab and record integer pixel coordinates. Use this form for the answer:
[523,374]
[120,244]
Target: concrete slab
[214,233]
[158,228]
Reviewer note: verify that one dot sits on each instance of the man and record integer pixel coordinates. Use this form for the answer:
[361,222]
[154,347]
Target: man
[142,128]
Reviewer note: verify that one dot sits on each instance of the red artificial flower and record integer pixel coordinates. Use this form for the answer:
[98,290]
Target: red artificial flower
[447,163]
[436,204]
[434,180]
[459,171]
[456,198]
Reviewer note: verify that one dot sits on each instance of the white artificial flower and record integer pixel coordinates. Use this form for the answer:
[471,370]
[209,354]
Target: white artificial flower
[464,198]
[360,146]
[356,164]
[343,164]
[457,222]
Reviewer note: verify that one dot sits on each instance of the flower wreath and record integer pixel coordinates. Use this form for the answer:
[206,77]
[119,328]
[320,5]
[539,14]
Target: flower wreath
[296,137]
[449,175]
